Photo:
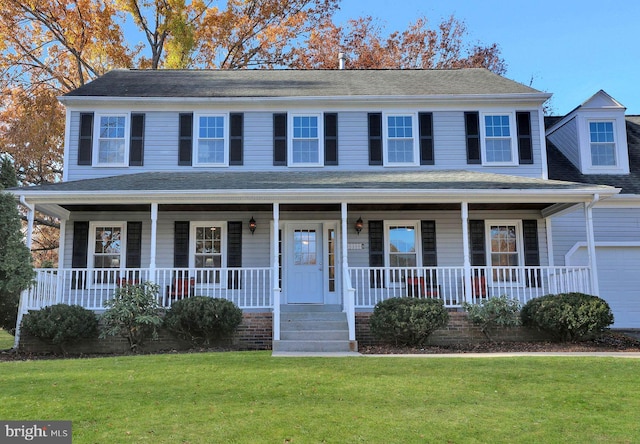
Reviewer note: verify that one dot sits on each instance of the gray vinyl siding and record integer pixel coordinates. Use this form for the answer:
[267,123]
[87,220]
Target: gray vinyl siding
[609,225]
[256,248]
[565,139]
[161,146]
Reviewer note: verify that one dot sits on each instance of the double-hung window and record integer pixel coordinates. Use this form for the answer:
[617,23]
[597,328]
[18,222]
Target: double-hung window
[602,143]
[208,251]
[499,139]
[504,250]
[211,141]
[402,249]
[306,140]
[400,139]
[107,250]
[112,144]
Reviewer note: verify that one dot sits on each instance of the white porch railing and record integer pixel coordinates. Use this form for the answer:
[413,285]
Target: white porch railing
[375,284]
[246,287]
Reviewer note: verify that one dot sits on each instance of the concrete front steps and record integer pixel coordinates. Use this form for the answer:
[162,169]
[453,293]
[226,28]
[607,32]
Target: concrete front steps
[313,328]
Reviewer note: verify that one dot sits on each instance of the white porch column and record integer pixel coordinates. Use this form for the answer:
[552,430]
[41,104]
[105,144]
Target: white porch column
[464,210]
[275,270]
[61,250]
[591,245]
[31,212]
[347,292]
[154,241]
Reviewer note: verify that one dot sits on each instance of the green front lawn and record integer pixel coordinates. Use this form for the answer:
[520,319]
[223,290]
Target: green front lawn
[6,340]
[254,398]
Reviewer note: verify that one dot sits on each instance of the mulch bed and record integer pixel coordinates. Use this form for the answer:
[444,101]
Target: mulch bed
[608,342]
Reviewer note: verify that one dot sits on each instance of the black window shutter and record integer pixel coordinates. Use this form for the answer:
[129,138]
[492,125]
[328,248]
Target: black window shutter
[429,254]
[472,131]
[136,147]
[181,244]
[236,136]
[426,138]
[331,138]
[376,252]
[280,139]
[375,138]
[477,243]
[134,244]
[525,147]
[531,247]
[85,142]
[185,143]
[79,252]
[234,253]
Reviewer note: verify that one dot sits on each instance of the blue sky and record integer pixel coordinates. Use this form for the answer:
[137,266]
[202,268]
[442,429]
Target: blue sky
[570,48]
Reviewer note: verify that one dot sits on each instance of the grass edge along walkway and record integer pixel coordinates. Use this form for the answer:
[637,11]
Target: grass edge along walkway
[251,397]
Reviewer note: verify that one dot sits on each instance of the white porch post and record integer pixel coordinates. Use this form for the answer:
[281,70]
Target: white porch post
[31,212]
[61,250]
[275,270]
[154,241]
[347,292]
[464,210]
[591,245]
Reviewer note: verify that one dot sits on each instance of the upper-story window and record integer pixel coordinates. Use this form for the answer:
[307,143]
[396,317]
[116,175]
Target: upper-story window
[602,143]
[112,147]
[305,145]
[499,144]
[211,140]
[400,140]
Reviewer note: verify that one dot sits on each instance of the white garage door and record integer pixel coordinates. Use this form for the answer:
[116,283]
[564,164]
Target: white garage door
[619,280]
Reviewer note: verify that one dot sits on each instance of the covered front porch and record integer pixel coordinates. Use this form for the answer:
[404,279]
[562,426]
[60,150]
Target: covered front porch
[321,239]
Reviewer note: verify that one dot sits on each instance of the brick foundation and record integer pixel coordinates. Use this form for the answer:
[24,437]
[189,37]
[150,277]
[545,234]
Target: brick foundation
[459,330]
[255,333]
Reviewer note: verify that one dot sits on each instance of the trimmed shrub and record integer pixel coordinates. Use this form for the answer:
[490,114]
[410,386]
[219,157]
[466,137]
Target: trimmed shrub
[407,321]
[201,319]
[493,313]
[9,311]
[568,316]
[61,324]
[133,313]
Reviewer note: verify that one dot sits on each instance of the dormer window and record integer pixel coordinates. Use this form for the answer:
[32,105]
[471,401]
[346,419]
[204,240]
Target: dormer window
[602,142]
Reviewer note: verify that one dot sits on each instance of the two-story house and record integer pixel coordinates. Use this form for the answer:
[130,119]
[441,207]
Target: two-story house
[313,191]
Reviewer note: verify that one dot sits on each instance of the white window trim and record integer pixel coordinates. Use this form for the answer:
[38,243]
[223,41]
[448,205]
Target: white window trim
[616,152]
[223,250]
[96,139]
[519,245]
[387,247]
[290,138]
[92,250]
[513,136]
[415,129]
[196,139]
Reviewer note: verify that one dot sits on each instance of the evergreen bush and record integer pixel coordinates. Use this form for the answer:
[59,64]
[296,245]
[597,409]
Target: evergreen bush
[61,324]
[568,316]
[494,313]
[407,321]
[201,319]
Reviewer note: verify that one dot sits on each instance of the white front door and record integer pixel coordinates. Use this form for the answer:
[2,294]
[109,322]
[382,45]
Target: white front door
[304,267]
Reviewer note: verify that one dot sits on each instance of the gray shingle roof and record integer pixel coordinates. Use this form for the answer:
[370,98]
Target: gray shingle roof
[298,83]
[560,168]
[338,180]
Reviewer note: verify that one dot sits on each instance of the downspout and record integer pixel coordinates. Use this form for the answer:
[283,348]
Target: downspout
[591,247]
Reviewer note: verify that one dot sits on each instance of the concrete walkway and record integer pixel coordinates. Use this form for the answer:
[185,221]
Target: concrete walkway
[633,355]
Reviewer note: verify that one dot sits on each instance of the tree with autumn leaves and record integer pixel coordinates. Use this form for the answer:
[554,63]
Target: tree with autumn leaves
[50,47]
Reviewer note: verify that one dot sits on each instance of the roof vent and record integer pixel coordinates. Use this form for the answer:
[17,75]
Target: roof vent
[341,60]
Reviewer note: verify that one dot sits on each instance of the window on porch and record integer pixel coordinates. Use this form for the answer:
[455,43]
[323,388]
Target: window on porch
[401,248]
[505,249]
[108,251]
[208,252]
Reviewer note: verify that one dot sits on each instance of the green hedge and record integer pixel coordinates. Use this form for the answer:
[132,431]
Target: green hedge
[201,319]
[407,321]
[568,316]
[61,324]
